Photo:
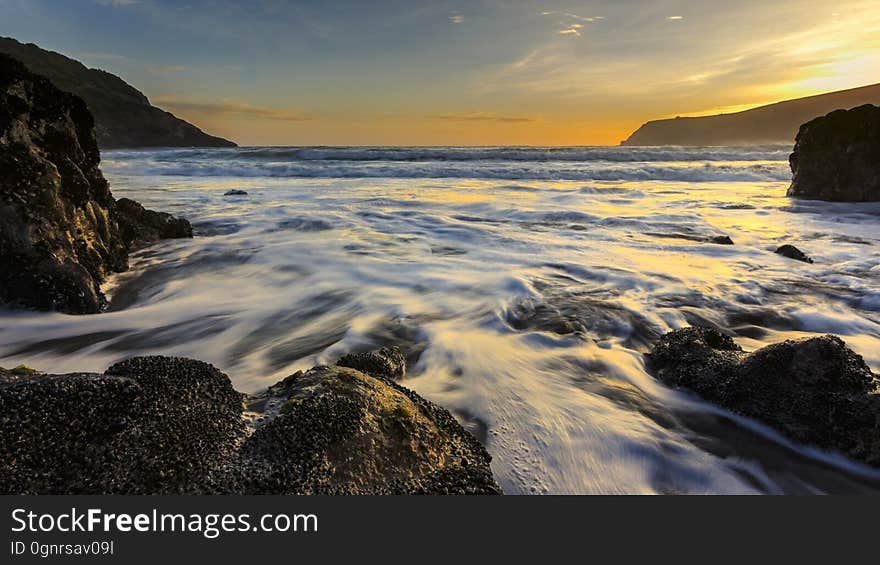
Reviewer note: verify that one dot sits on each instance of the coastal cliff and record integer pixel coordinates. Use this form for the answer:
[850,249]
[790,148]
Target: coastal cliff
[61,230]
[774,123]
[124,117]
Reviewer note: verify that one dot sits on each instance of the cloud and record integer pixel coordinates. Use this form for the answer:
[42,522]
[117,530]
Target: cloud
[482,117]
[456,18]
[160,69]
[675,17]
[569,15]
[229,108]
[117,2]
[571,22]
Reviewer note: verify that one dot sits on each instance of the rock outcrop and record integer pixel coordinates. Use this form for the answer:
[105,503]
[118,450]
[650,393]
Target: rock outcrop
[837,157]
[61,230]
[171,425]
[124,116]
[815,391]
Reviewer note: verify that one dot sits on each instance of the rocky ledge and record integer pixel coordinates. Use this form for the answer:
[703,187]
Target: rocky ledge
[837,157]
[61,230]
[814,391]
[169,425]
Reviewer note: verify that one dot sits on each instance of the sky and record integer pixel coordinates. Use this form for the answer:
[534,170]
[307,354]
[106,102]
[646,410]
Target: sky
[475,72]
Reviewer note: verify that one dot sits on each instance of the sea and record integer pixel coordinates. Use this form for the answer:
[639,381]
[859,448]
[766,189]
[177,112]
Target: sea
[524,285]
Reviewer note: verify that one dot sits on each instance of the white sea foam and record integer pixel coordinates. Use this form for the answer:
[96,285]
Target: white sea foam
[526,282]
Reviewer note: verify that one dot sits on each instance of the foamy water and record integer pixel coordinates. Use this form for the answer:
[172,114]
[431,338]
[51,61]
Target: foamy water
[525,284]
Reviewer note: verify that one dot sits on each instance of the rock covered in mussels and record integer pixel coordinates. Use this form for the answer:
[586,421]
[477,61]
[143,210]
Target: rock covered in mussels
[61,231]
[153,425]
[837,157]
[147,425]
[815,391]
[341,431]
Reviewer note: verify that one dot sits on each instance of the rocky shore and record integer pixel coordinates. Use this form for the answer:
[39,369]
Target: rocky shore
[61,230]
[152,425]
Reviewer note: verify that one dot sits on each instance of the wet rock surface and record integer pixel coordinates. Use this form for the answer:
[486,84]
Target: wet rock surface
[814,391]
[793,252]
[139,226]
[387,362]
[61,230]
[172,425]
[837,157]
[340,431]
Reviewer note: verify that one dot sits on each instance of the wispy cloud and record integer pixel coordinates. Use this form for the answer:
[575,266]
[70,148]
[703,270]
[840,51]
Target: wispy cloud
[456,18]
[573,29]
[229,107]
[572,24]
[117,2]
[160,69]
[482,117]
[675,17]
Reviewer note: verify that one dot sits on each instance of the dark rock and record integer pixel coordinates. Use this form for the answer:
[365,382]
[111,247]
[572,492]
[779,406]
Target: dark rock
[721,240]
[153,425]
[341,431]
[837,157]
[814,391]
[793,252]
[61,232]
[124,116]
[235,192]
[139,226]
[147,425]
[387,362]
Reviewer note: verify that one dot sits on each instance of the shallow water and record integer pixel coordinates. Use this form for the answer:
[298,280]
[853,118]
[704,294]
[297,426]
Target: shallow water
[524,285]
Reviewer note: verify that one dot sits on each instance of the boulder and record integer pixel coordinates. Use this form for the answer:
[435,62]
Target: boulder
[61,230]
[336,430]
[147,425]
[837,157]
[793,252]
[160,425]
[814,391]
[387,362]
[139,226]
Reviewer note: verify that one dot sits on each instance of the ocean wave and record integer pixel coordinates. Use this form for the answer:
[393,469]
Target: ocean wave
[743,171]
[445,154]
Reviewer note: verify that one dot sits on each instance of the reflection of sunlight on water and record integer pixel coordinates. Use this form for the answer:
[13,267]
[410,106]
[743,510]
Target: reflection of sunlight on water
[524,305]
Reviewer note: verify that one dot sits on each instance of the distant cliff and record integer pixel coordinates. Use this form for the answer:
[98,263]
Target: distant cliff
[774,123]
[124,117]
